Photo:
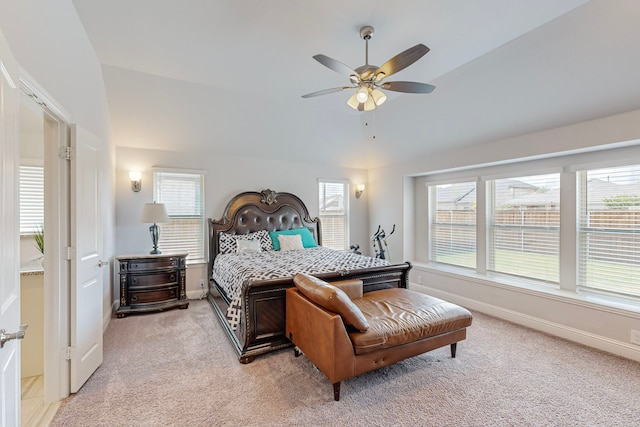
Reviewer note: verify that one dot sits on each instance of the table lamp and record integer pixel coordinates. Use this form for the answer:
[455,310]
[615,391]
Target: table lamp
[154,213]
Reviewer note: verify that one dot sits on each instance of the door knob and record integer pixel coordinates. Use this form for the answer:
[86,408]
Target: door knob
[4,336]
[102,263]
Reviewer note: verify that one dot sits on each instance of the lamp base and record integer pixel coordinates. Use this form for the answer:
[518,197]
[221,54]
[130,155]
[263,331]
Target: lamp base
[155,234]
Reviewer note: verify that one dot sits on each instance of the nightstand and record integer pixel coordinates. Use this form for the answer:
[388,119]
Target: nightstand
[152,283]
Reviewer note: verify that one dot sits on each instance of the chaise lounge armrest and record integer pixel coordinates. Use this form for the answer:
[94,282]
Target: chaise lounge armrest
[321,335]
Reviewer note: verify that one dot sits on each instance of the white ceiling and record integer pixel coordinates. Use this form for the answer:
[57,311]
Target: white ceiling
[227,76]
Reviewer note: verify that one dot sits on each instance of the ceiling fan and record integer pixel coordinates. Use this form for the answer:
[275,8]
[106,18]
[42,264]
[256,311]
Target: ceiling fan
[367,79]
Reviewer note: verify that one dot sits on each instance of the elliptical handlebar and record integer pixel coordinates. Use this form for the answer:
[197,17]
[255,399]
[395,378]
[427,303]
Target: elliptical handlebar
[378,239]
[376,234]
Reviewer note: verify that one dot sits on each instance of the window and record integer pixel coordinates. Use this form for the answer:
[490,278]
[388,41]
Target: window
[453,223]
[609,230]
[521,236]
[334,214]
[31,198]
[183,194]
[524,226]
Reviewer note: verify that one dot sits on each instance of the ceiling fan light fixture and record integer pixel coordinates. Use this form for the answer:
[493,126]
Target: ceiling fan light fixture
[378,96]
[369,104]
[362,94]
[353,101]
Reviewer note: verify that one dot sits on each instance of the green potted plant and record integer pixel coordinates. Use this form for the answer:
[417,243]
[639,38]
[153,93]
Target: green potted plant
[38,236]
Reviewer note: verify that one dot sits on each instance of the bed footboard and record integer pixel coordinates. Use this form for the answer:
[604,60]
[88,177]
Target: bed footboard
[262,327]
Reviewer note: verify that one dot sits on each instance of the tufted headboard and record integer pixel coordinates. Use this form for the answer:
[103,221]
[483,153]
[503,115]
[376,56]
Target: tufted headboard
[267,210]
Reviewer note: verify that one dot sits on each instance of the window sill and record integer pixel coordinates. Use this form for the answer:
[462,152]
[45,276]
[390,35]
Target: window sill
[613,304]
[196,263]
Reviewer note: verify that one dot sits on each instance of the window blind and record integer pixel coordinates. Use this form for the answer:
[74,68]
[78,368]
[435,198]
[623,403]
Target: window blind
[524,227]
[31,198]
[453,223]
[183,195]
[609,230]
[334,214]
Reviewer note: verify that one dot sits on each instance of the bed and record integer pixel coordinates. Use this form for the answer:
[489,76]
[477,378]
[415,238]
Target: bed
[251,307]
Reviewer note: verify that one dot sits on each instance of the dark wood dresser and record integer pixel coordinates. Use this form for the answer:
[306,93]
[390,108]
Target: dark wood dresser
[152,283]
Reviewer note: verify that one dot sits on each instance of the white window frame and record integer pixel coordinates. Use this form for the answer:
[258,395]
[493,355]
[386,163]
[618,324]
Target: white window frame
[569,166]
[201,255]
[325,225]
[493,228]
[432,214]
[610,267]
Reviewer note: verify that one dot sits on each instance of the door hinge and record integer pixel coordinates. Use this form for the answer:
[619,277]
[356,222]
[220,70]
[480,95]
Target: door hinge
[67,354]
[66,153]
[68,253]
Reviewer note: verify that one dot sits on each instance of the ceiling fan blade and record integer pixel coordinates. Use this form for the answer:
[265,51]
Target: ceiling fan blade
[327,91]
[408,87]
[335,65]
[401,61]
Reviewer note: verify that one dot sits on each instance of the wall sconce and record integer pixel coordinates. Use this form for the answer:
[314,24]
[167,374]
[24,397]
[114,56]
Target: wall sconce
[135,181]
[359,190]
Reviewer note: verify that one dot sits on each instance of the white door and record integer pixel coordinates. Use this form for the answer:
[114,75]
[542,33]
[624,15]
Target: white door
[9,238]
[86,238]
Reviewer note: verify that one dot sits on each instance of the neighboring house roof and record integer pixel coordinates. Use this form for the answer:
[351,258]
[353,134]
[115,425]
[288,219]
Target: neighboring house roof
[462,194]
[536,198]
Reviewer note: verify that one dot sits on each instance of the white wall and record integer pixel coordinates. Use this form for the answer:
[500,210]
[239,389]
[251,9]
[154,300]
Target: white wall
[226,176]
[54,52]
[392,200]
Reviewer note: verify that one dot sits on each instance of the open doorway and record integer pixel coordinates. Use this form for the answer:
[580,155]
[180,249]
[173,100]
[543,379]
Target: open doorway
[44,275]
[32,259]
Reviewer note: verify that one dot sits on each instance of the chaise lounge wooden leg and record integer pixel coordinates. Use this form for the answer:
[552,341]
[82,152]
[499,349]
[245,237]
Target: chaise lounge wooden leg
[336,391]
[453,349]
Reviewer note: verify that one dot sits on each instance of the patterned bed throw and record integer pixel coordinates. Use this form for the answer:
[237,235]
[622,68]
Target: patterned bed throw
[231,271]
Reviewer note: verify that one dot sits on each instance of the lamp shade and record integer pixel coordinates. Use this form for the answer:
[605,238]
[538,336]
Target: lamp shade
[135,176]
[154,212]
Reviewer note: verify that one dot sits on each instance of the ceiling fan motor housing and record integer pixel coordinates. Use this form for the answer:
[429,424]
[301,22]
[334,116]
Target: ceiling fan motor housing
[366,71]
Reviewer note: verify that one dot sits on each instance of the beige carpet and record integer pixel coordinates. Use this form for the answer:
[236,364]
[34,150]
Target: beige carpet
[177,368]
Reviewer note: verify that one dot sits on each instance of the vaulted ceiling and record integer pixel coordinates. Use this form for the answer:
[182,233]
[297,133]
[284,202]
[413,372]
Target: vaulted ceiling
[227,76]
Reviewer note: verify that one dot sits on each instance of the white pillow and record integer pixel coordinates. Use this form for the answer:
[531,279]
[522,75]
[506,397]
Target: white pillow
[290,243]
[245,246]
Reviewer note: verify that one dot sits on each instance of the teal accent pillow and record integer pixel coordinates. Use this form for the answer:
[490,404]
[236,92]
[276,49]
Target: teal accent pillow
[307,238]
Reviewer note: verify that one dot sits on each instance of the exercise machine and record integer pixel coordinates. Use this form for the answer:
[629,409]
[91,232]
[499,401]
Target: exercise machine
[379,241]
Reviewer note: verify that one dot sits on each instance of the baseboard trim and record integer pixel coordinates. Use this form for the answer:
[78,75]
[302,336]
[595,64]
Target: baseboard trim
[197,294]
[618,348]
[106,319]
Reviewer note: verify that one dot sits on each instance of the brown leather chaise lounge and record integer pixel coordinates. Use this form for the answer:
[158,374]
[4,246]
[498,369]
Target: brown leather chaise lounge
[345,333]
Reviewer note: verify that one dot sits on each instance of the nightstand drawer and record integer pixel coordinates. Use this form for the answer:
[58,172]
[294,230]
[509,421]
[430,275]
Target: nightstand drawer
[149,296]
[151,264]
[153,279]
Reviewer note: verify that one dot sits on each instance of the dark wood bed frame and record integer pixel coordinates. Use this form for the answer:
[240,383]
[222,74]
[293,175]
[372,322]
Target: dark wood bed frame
[262,327]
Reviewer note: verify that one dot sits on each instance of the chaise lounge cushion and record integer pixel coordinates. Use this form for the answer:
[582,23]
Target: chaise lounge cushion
[331,298]
[398,316]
